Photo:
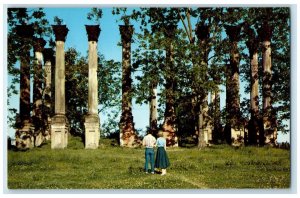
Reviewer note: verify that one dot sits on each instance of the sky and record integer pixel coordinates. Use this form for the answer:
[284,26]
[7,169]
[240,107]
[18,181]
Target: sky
[76,18]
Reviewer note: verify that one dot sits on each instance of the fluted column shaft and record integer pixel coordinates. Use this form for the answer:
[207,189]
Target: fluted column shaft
[204,129]
[59,122]
[48,61]
[269,120]
[92,130]
[93,83]
[60,79]
[128,135]
[24,132]
[37,84]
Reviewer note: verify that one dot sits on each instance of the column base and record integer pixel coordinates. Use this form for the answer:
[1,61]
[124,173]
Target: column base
[24,136]
[207,135]
[171,138]
[129,139]
[59,132]
[128,136]
[47,135]
[92,131]
[237,136]
[271,136]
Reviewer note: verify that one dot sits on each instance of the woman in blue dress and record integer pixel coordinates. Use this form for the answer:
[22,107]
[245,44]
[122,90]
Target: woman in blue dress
[162,160]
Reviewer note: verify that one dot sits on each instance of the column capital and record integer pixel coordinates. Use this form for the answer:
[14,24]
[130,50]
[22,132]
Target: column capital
[265,32]
[126,32]
[25,31]
[60,32]
[233,32]
[48,54]
[93,32]
[38,44]
[202,32]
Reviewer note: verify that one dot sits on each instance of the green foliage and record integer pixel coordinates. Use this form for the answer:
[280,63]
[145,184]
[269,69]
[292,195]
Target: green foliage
[110,96]
[109,91]
[95,15]
[76,89]
[58,21]
[110,167]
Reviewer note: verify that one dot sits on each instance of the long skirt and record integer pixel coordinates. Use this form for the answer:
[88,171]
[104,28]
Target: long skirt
[162,160]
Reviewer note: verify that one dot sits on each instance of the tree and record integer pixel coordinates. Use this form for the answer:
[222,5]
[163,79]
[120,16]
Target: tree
[204,59]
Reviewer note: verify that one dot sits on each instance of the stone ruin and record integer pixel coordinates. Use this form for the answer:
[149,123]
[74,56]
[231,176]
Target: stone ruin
[28,135]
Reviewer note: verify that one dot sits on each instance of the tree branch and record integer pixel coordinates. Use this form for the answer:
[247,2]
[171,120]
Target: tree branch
[185,27]
[189,23]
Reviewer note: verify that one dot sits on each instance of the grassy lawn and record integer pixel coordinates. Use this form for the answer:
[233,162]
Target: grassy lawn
[217,167]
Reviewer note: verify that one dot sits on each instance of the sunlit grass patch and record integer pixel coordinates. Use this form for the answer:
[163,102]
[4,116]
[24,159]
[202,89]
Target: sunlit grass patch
[113,167]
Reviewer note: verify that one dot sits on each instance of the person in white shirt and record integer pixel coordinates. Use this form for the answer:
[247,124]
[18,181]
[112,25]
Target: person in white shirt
[149,143]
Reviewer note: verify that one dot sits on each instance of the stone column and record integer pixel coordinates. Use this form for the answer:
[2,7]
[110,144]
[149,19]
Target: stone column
[59,122]
[233,129]
[169,124]
[92,129]
[48,106]
[128,136]
[204,123]
[38,122]
[215,113]
[25,129]
[153,109]
[253,124]
[269,120]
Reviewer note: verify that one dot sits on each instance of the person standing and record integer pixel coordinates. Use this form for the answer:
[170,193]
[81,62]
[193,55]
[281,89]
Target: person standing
[162,160]
[149,143]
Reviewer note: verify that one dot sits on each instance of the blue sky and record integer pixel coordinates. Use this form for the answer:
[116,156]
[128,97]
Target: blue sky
[75,19]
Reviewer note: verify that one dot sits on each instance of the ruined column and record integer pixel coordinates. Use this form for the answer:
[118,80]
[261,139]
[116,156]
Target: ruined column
[59,122]
[48,67]
[153,109]
[253,124]
[37,120]
[215,113]
[234,131]
[92,129]
[25,129]
[128,135]
[269,120]
[169,124]
[204,123]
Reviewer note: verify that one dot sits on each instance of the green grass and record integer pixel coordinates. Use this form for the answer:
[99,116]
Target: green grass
[108,167]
